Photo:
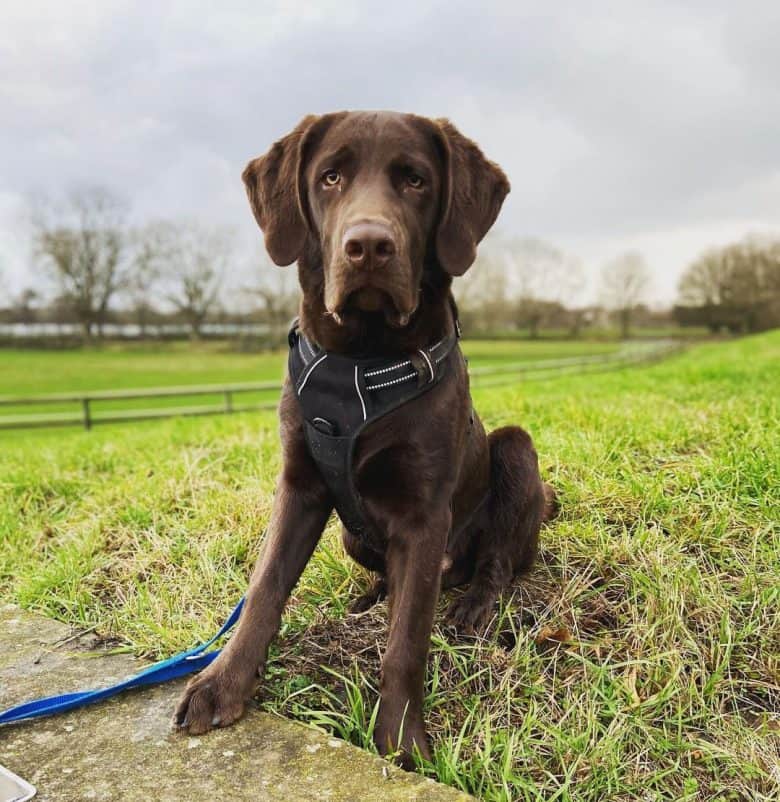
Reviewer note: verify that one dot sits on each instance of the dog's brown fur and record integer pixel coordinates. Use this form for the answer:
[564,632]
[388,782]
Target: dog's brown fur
[424,468]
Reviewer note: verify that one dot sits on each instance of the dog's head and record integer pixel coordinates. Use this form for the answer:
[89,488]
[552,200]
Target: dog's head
[376,196]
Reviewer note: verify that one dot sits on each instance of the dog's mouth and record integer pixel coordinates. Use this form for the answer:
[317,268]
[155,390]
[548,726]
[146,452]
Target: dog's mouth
[369,299]
[372,300]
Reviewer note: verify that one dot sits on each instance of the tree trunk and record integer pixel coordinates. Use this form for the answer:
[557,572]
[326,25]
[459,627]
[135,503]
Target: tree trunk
[141,322]
[195,324]
[625,323]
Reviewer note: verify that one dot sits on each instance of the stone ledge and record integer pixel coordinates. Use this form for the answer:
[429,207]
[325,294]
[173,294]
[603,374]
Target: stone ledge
[124,749]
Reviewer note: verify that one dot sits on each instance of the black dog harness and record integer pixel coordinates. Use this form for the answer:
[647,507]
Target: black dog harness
[340,396]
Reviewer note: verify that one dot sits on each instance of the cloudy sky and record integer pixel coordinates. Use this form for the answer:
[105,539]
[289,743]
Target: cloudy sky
[649,125]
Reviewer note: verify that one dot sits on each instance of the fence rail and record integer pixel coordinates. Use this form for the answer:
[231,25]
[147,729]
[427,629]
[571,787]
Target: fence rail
[489,375]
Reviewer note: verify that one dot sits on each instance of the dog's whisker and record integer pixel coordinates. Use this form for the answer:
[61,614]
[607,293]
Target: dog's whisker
[335,317]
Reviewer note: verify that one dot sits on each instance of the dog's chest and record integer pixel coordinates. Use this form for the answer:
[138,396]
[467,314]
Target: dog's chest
[340,396]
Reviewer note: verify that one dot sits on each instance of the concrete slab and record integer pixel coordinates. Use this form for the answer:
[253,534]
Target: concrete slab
[124,749]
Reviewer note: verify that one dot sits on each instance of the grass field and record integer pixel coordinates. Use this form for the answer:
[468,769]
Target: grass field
[639,660]
[146,365]
[119,367]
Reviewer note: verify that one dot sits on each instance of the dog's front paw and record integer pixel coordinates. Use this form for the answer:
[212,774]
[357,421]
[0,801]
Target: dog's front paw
[413,741]
[214,698]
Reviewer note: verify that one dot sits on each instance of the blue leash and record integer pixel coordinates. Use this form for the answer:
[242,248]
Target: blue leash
[177,666]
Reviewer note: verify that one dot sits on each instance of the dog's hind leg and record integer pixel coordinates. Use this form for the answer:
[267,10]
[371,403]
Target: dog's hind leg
[373,561]
[519,502]
[372,596]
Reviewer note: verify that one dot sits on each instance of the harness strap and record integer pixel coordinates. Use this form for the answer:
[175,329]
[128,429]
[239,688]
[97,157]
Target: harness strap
[177,666]
[339,396]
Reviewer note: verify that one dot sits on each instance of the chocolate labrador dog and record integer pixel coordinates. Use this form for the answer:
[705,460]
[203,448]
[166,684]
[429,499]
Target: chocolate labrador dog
[380,210]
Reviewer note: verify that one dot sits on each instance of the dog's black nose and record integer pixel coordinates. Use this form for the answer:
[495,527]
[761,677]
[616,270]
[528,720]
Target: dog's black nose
[369,245]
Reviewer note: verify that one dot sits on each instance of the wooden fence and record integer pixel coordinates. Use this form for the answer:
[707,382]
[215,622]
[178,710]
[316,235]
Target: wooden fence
[87,416]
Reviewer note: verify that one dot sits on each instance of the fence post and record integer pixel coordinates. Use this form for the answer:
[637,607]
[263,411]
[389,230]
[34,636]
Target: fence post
[228,401]
[87,417]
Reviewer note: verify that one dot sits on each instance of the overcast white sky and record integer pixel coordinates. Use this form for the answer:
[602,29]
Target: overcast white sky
[649,125]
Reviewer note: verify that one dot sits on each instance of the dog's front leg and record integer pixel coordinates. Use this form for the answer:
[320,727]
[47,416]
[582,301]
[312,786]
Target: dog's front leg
[218,695]
[414,557]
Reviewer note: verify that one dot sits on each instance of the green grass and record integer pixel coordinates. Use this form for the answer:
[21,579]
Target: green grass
[115,367]
[120,366]
[639,660]
[123,366]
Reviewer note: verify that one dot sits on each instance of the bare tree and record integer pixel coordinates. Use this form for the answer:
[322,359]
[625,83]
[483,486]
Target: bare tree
[756,270]
[154,246]
[520,281]
[482,294]
[198,260]
[279,296]
[578,318]
[737,286]
[81,243]
[706,281]
[25,305]
[545,280]
[624,284]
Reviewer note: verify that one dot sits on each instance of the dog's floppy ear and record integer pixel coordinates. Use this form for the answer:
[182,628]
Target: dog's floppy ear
[272,185]
[472,193]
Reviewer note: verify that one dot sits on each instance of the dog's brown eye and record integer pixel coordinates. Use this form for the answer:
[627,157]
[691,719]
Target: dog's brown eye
[415,181]
[331,177]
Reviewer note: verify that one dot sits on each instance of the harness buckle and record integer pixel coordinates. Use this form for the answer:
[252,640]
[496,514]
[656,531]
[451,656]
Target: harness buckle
[423,366]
